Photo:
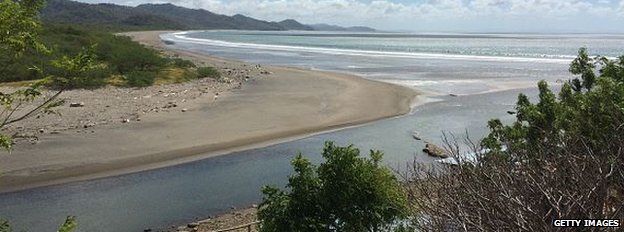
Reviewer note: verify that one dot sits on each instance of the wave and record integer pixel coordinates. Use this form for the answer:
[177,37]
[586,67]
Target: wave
[182,37]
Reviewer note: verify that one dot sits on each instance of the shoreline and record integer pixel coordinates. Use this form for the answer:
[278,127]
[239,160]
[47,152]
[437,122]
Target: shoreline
[287,101]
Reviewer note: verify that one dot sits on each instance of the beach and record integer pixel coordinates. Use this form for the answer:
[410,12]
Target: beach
[171,124]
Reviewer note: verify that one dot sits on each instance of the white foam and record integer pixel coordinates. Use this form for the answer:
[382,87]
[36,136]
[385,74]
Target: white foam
[182,37]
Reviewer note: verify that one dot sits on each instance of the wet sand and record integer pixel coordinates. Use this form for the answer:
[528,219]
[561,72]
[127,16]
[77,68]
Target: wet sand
[286,104]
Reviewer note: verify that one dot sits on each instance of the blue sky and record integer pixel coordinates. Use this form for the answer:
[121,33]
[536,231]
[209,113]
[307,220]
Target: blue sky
[541,16]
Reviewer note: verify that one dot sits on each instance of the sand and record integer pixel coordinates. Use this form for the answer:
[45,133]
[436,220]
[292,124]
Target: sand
[285,104]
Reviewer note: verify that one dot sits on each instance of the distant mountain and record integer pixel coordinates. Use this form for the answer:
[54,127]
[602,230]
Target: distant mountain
[165,16]
[327,27]
[292,24]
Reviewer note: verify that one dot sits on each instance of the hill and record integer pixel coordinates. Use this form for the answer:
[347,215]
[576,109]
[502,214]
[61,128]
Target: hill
[154,16]
[165,16]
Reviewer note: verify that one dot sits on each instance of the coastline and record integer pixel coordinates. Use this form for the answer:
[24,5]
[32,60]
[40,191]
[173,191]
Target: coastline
[288,104]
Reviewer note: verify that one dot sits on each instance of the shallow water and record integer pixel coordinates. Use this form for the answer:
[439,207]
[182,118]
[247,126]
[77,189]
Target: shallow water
[178,194]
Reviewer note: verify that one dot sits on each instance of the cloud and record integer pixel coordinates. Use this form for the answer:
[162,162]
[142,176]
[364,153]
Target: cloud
[394,14]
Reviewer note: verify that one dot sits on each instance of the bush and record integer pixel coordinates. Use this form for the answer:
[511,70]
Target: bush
[208,72]
[126,55]
[140,78]
[563,158]
[346,193]
[182,63]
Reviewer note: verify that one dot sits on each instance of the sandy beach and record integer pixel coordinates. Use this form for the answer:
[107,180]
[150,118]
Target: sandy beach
[128,130]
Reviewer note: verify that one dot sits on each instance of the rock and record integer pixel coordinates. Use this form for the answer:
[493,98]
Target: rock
[511,112]
[192,225]
[55,132]
[416,137]
[125,120]
[254,206]
[453,95]
[41,131]
[76,104]
[147,230]
[435,151]
[184,110]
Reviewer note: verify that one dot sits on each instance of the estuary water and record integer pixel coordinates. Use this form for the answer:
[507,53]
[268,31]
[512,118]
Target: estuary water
[483,72]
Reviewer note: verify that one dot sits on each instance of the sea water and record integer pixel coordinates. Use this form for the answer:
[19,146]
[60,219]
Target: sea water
[485,71]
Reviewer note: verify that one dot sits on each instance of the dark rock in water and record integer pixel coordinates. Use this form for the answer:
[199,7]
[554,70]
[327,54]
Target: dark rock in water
[416,137]
[76,104]
[453,95]
[168,42]
[511,112]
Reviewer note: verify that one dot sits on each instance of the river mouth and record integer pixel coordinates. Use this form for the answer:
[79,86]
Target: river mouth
[177,194]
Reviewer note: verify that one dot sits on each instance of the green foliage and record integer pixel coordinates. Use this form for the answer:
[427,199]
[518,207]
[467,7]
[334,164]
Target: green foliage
[345,193]
[589,108]
[19,27]
[79,71]
[182,63]
[140,78]
[208,72]
[125,55]
[69,225]
[115,56]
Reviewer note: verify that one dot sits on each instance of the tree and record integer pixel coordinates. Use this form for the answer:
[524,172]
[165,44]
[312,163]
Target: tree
[563,158]
[345,193]
[19,26]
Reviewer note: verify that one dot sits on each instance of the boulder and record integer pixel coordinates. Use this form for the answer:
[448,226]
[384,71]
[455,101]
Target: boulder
[435,151]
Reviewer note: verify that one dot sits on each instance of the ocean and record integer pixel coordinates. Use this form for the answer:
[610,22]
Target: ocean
[483,72]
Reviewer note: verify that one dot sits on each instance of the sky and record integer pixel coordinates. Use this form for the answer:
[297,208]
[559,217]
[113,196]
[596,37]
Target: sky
[535,16]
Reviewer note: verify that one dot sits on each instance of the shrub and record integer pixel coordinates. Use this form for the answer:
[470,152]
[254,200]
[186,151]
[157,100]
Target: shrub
[182,63]
[345,193]
[563,158]
[140,78]
[208,72]
[126,55]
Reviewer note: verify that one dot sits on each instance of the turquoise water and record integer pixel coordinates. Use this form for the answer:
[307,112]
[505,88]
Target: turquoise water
[486,83]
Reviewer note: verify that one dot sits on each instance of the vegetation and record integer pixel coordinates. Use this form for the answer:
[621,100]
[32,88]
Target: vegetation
[208,72]
[153,17]
[345,193]
[563,158]
[18,34]
[68,226]
[117,55]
